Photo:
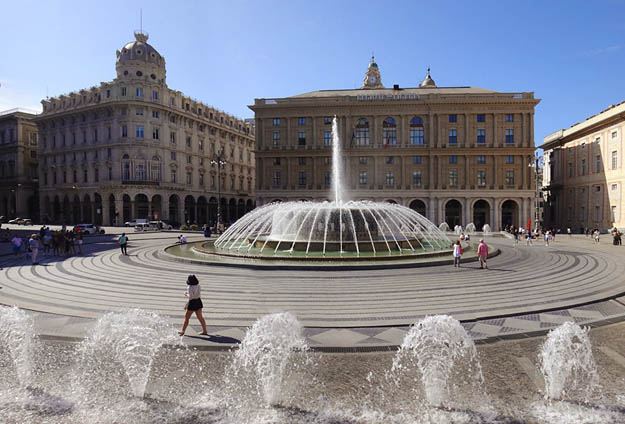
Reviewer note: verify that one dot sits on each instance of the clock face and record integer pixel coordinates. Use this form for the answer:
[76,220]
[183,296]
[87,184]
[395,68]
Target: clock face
[373,79]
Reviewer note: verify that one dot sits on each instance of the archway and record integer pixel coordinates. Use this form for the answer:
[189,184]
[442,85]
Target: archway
[249,205]
[240,208]
[126,209]
[173,208]
[142,207]
[76,217]
[189,210]
[509,213]
[418,206]
[113,212]
[212,210]
[157,207]
[97,200]
[86,210]
[481,214]
[453,213]
[202,210]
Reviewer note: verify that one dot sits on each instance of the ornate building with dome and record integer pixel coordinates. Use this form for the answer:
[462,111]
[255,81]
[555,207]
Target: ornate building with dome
[135,148]
[458,155]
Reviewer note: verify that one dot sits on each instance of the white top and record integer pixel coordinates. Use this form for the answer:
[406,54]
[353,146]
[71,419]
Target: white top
[457,250]
[194,292]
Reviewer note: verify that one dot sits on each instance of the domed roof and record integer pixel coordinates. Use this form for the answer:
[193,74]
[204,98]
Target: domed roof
[139,50]
[373,64]
[428,81]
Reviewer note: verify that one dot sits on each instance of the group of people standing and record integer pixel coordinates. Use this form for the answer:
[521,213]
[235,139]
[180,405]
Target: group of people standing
[57,243]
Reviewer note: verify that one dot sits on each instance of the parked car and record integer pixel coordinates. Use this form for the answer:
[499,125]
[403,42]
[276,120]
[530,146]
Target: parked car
[21,221]
[3,219]
[162,225]
[135,222]
[89,229]
[172,224]
[146,226]
[15,220]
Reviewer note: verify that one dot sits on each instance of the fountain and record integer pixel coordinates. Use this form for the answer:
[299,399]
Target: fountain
[17,335]
[340,228]
[458,230]
[435,347]
[470,229]
[267,350]
[567,363]
[444,227]
[486,229]
[132,339]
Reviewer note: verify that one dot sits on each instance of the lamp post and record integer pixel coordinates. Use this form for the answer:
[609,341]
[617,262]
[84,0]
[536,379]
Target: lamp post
[536,165]
[218,159]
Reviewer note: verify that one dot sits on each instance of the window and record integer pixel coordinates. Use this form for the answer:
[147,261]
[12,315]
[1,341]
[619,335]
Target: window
[96,175]
[614,159]
[201,180]
[276,161]
[75,176]
[201,145]
[416,131]
[453,137]
[510,160]
[481,160]
[481,178]
[510,178]
[453,118]
[583,167]
[362,160]
[598,188]
[108,133]
[582,213]
[124,131]
[276,122]
[390,160]
[453,177]
[416,178]
[172,137]
[277,180]
[155,114]
[389,131]
[509,136]
[417,160]
[327,178]
[189,178]
[188,141]
[139,92]
[95,135]
[123,91]
[481,136]
[327,120]
[570,169]
[276,138]
[301,161]
[139,111]
[155,134]
[614,187]
[327,138]
[301,121]
[362,132]
[85,176]
[597,213]
[140,131]
[362,178]
[173,156]
[301,138]
[390,178]
[481,117]
[614,134]
[189,158]
[108,93]
[453,159]
[509,117]
[110,173]
[302,178]
[173,176]
[172,101]
[154,95]
[598,163]
[109,153]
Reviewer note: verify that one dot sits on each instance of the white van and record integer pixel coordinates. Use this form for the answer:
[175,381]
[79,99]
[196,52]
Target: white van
[146,226]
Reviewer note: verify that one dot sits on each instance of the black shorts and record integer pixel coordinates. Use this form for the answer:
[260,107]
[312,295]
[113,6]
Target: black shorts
[195,304]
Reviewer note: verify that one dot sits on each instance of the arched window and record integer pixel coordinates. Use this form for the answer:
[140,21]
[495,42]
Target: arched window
[155,169]
[416,131]
[362,132]
[389,131]
[125,168]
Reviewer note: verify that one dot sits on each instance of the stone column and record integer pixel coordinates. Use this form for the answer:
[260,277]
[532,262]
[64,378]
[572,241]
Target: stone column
[495,224]
[523,214]
[106,216]
[119,208]
[430,133]
[432,210]
[150,216]
[494,130]
[465,212]
[466,130]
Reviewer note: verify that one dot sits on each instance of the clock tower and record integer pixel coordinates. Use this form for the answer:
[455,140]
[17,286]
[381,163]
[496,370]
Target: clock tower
[372,76]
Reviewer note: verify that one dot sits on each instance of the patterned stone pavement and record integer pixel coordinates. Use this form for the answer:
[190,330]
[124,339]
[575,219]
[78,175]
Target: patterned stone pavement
[526,291]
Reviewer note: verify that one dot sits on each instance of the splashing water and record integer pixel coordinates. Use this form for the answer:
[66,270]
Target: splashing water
[17,335]
[444,227]
[486,229]
[436,345]
[458,229]
[470,228]
[267,350]
[567,363]
[337,166]
[131,338]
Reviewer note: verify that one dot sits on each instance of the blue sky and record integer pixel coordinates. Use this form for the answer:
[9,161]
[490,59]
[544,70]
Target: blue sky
[570,53]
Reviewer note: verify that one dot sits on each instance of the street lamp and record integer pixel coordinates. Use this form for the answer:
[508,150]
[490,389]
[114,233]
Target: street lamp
[536,165]
[218,159]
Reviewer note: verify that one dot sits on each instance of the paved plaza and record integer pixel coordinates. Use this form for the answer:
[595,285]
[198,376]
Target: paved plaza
[526,291]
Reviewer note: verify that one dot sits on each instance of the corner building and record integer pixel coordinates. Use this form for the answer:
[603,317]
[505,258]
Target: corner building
[134,148]
[584,173]
[458,155]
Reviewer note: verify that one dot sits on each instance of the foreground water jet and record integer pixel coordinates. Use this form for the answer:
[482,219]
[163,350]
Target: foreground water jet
[567,362]
[131,338]
[436,346]
[17,335]
[267,350]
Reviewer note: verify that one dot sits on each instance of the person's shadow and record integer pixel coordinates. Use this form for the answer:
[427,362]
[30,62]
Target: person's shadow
[217,339]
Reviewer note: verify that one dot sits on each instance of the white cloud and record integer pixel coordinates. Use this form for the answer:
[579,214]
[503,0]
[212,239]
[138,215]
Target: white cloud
[602,50]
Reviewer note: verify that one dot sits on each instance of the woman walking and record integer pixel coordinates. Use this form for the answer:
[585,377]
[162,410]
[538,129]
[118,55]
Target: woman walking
[193,305]
[457,254]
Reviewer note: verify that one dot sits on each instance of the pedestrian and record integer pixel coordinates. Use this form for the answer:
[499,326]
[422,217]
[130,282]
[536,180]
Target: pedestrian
[182,239]
[482,254]
[546,236]
[193,305]
[123,244]
[79,241]
[207,231]
[528,238]
[33,244]
[17,245]
[457,254]
[568,231]
[596,236]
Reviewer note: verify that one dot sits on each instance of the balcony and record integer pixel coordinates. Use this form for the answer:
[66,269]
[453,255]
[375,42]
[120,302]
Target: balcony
[141,182]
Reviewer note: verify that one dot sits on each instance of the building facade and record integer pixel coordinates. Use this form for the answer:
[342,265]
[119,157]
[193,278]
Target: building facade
[455,154]
[135,148]
[18,165]
[584,173]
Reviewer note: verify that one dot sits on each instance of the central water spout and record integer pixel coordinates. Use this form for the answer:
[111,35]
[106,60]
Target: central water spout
[337,174]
